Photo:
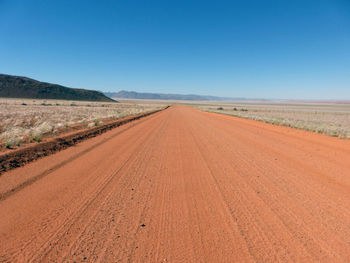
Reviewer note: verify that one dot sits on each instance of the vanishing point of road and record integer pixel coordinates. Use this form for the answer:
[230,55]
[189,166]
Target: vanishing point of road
[183,185]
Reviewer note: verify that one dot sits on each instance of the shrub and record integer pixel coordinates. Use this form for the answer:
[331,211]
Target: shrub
[36,138]
[8,145]
[220,108]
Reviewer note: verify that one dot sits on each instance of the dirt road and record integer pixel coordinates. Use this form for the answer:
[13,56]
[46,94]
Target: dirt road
[182,186]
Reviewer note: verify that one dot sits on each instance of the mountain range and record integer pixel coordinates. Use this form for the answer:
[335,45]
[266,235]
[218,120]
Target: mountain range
[123,94]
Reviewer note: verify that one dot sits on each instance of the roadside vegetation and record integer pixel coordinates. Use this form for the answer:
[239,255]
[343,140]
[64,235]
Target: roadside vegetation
[327,118]
[28,120]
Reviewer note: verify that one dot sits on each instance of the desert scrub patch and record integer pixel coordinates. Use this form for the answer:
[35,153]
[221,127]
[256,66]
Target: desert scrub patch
[12,142]
[49,117]
[327,118]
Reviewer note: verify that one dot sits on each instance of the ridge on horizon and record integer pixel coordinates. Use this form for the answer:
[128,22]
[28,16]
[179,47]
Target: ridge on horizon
[124,94]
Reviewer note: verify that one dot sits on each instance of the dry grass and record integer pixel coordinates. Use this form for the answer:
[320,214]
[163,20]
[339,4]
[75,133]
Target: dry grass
[26,120]
[327,118]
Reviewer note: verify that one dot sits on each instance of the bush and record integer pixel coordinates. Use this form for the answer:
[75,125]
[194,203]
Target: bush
[220,108]
[35,138]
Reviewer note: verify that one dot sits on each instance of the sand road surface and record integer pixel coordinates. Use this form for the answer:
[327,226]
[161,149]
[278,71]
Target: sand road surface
[182,186]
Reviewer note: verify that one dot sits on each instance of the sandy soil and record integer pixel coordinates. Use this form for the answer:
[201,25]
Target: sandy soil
[183,186]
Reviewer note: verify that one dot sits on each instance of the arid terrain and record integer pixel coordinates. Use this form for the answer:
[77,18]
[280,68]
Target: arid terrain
[182,185]
[26,120]
[330,118]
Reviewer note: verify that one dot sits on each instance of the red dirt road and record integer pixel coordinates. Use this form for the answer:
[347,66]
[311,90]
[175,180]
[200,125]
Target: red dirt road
[182,186]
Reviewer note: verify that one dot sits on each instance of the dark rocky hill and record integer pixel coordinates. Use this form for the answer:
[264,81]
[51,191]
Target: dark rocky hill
[22,87]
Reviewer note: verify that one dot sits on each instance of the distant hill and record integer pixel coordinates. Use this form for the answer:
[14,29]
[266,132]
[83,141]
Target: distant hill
[160,96]
[22,87]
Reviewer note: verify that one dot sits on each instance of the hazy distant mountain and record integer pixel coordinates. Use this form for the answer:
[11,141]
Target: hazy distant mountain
[160,96]
[22,87]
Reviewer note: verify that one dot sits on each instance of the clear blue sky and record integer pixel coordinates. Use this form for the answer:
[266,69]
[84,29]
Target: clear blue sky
[256,49]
